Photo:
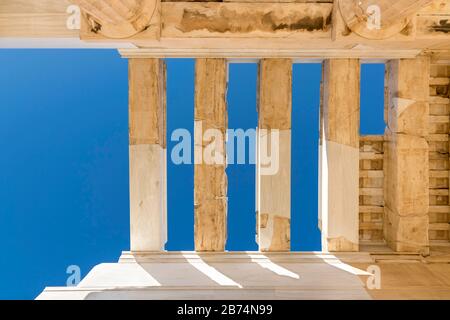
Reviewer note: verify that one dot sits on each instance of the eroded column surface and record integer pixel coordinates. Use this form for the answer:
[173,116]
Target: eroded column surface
[406,162]
[274,155]
[438,143]
[147,139]
[117,18]
[339,155]
[210,179]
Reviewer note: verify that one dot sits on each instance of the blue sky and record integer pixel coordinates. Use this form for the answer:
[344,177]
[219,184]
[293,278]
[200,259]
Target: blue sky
[64,165]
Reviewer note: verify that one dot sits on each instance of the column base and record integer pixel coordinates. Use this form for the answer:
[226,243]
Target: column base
[220,276]
[342,245]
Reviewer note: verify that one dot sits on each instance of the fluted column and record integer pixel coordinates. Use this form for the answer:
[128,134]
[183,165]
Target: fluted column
[210,179]
[274,155]
[339,156]
[147,139]
[406,162]
[119,18]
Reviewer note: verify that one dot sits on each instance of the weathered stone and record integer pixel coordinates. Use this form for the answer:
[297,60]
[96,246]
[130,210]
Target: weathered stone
[341,101]
[275,94]
[147,104]
[210,225]
[147,152]
[210,180]
[406,174]
[339,156]
[408,92]
[406,155]
[274,181]
[407,233]
[281,234]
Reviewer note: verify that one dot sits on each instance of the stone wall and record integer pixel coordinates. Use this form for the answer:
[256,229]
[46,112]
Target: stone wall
[371,203]
[438,140]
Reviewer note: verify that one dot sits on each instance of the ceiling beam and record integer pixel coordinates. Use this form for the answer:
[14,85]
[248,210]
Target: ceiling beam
[301,54]
[279,29]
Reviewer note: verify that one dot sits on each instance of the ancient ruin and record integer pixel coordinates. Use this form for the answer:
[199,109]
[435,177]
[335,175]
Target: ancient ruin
[382,198]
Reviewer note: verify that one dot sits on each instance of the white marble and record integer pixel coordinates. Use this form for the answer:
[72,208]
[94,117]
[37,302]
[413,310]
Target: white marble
[245,275]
